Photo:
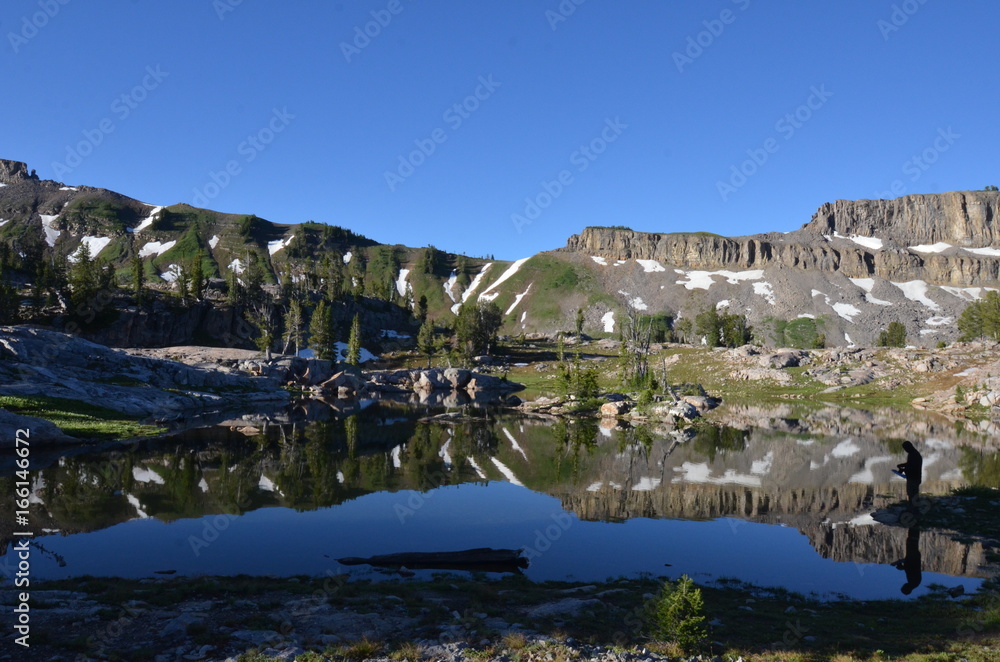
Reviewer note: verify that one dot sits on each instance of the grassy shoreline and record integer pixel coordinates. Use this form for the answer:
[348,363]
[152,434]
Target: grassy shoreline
[757,624]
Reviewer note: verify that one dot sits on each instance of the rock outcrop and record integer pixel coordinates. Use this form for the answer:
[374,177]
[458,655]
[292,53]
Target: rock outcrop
[39,362]
[13,171]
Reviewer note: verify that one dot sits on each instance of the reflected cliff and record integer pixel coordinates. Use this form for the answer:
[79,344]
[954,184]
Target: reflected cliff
[822,475]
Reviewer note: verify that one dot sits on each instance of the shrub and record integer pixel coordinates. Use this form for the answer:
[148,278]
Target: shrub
[676,615]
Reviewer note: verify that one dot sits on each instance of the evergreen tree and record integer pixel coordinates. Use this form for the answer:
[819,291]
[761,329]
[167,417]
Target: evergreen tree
[234,291]
[894,336]
[84,279]
[9,299]
[425,341]
[293,327]
[183,280]
[354,342]
[321,332]
[981,319]
[422,308]
[579,321]
[198,276]
[476,327]
[138,279]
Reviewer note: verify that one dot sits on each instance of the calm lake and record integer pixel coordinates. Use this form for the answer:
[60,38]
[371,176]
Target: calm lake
[776,497]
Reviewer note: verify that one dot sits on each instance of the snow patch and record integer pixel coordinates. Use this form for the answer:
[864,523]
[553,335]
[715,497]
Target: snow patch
[143,475]
[341,349]
[763,466]
[401,283]
[651,266]
[868,284]
[449,286]
[806,315]
[505,470]
[278,244]
[609,321]
[599,260]
[347,257]
[266,484]
[513,442]
[646,484]
[989,252]
[967,293]
[146,222]
[51,234]
[236,266]
[722,304]
[846,448]
[397,461]
[475,465]
[68,188]
[868,242]
[172,274]
[692,472]
[94,245]
[703,280]
[939,247]
[939,321]
[156,248]
[846,310]
[203,484]
[444,454]
[511,270]
[213,242]
[517,300]
[138,506]
[765,290]
[916,290]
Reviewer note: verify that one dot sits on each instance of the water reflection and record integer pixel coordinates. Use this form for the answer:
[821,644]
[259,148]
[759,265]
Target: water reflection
[256,475]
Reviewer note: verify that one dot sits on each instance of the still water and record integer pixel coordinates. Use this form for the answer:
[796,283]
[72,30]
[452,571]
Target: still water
[772,498]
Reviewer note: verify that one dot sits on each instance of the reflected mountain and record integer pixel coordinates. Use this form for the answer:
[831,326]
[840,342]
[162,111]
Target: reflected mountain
[794,472]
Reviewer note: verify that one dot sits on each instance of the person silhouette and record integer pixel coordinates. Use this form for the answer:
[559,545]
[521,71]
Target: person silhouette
[910,563]
[912,470]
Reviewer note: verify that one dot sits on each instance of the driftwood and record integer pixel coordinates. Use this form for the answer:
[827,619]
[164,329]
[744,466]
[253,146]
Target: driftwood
[486,559]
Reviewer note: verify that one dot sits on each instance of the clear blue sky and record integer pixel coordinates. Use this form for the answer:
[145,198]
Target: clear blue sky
[886,95]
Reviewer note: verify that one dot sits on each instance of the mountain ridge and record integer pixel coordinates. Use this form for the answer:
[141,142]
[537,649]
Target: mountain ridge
[853,267]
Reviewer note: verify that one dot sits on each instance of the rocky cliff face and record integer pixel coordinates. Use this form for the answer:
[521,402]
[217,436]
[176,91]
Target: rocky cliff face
[961,218]
[13,171]
[829,242]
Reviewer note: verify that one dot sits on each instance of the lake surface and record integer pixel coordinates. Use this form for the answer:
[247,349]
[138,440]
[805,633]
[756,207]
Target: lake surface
[778,497]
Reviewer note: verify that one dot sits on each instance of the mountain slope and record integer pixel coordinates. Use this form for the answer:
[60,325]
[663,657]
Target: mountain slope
[852,269]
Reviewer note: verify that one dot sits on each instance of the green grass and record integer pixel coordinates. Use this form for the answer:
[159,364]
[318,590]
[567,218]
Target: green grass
[79,419]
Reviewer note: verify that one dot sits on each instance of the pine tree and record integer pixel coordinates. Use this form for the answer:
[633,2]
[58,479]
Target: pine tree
[354,342]
[83,278]
[422,308]
[182,283]
[293,326]
[138,279]
[198,276]
[321,332]
[579,321]
[425,341]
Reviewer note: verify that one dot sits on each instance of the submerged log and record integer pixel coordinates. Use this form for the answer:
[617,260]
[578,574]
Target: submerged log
[484,558]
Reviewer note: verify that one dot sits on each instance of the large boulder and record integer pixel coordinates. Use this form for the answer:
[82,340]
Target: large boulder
[614,409]
[457,377]
[38,431]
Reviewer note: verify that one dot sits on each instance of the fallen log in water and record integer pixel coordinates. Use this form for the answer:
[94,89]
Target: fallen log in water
[484,558]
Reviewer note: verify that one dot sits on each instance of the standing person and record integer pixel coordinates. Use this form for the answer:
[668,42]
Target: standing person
[912,469]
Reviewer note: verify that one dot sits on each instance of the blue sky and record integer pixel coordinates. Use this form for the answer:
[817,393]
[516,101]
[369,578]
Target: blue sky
[812,101]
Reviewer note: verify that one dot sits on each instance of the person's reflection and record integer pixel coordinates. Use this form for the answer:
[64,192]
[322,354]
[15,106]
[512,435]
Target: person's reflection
[911,562]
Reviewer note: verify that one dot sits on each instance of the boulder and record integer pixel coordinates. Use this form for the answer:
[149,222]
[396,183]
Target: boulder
[699,402]
[457,377]
[614,409]
[39,431]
